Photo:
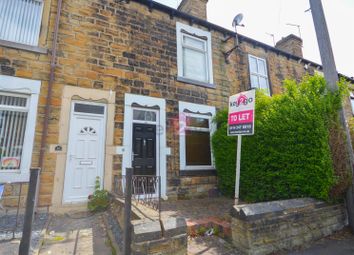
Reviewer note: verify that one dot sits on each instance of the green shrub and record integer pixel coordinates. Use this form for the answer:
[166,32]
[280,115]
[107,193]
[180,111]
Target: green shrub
[201,230]
[99,201]
[289,155]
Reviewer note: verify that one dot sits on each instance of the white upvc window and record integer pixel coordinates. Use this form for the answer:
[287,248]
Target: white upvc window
[194,55]
[351,97]
[258,73]
[18,111]
[195,131]
[20,21]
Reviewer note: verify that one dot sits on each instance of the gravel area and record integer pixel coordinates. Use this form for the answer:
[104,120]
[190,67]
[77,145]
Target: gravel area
[8,244]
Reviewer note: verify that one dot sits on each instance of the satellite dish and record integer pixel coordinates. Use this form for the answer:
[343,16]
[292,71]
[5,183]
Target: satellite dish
[237,20]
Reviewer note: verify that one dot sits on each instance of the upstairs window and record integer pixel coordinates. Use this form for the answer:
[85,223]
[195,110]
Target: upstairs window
[194,55]
[20,21]
[258,73]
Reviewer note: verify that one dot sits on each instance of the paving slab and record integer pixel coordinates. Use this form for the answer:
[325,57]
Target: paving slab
[201,213]
[10,234]
[197,209]
[76,233]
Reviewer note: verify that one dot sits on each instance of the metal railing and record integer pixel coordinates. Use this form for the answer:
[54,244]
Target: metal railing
[143,189]
[14,224]
[146,189]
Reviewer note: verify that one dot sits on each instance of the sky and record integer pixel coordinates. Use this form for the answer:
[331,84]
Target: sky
[264,17]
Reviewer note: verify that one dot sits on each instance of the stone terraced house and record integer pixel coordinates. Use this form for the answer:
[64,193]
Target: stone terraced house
[136,84]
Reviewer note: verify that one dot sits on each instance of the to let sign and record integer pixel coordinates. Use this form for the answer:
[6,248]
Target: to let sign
[241,113]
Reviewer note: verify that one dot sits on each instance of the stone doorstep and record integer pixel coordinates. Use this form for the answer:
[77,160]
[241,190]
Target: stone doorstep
[149,230]
[224,226]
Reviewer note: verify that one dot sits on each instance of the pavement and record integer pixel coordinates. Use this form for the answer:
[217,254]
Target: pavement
[10,233]
[340,243]
[85,233]
[76,233]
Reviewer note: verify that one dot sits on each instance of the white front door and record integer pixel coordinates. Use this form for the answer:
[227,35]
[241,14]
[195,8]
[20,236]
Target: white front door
[85,151]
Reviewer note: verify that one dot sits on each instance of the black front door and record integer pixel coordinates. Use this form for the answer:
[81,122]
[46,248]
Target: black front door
[144,149]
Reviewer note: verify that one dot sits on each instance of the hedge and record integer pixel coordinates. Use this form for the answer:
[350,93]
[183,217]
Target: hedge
[289,155]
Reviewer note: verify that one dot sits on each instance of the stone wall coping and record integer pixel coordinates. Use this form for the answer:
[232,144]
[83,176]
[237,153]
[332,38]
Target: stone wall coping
[146,230]
[259,210]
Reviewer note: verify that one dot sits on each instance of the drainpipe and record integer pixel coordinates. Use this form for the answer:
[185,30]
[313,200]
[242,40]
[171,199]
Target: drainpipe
[50,87]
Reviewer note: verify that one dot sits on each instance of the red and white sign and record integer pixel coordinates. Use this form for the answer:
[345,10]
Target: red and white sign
[241,113]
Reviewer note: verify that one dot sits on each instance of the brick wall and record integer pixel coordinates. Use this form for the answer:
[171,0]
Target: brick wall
[271,227]
[127,48]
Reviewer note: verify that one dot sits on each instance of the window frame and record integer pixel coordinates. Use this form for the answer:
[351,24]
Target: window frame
[200,111]
[259,75]
[41,45]
[351,99]
[183,30]
[30,88]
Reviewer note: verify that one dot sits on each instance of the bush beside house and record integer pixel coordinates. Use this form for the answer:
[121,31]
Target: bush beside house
[289,156]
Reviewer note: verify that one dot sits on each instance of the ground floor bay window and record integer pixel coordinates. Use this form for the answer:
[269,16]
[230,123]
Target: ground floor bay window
[18,109]
[196,128]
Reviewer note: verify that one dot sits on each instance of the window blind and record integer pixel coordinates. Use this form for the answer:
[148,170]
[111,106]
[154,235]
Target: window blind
[13,119]
[20,20]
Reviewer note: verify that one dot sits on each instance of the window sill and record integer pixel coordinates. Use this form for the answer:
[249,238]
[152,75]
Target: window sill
[194,82]
[20,46]
[14,177]
[209,172]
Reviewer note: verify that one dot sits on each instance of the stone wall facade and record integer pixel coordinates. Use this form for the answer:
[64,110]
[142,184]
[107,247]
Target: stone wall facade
[130,47]
[34,64]
[265,228]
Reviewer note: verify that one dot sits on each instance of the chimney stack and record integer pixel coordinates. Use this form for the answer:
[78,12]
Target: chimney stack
[196,8]
[291,44]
